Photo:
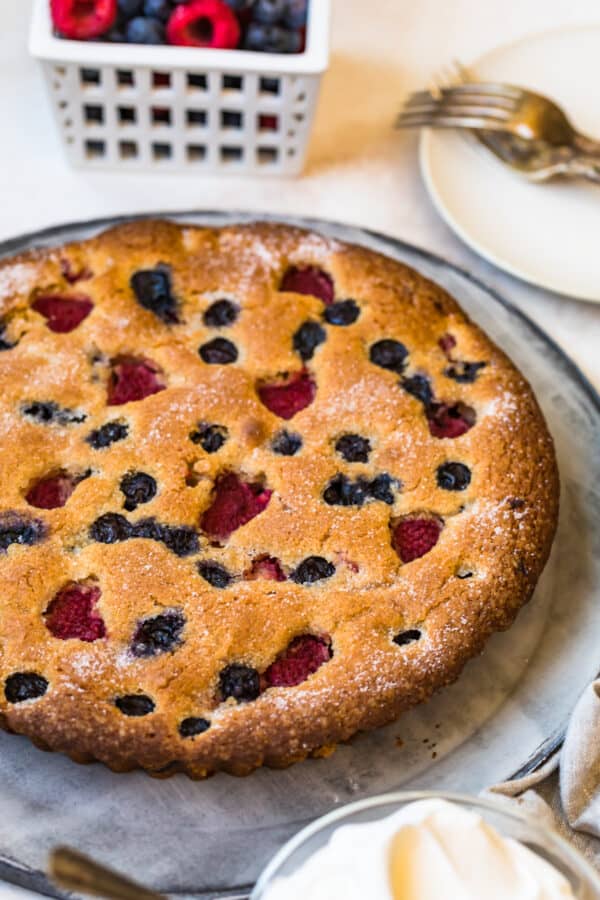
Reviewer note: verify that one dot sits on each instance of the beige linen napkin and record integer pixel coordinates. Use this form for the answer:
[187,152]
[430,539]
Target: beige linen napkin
[580,764]
[565,791]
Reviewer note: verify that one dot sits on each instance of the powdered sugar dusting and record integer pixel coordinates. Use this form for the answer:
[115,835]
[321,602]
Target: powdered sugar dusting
[87,665]
[504,406]
[7,423]
[59,369]
[313,248]
[250,248]
[19,278]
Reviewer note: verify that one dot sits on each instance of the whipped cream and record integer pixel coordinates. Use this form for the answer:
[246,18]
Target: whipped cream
[429,850]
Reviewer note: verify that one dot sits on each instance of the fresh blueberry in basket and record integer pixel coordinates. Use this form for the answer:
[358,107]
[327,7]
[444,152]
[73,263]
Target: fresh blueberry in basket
[267,26]
[238,6]
[296,14]
[272,39]
[129,8]
[158,9]
[115,36]
[270,12]
[145,31]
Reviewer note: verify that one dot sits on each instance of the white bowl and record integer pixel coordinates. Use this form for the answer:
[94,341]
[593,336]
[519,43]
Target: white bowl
[548,844]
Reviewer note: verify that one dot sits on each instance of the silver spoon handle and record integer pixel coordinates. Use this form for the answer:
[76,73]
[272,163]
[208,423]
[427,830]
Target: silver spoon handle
[76,872]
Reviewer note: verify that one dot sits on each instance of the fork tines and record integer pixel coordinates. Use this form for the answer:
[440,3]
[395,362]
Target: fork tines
[473,105]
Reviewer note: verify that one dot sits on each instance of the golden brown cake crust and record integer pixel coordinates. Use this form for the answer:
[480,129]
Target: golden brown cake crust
[499,528]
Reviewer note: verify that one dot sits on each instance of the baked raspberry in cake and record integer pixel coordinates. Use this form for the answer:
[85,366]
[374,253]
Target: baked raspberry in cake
[259,490]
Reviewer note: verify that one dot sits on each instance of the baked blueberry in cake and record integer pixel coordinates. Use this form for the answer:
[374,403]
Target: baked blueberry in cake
[259,490]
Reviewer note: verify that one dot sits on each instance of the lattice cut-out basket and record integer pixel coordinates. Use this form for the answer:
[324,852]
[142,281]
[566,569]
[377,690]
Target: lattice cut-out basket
[126,106]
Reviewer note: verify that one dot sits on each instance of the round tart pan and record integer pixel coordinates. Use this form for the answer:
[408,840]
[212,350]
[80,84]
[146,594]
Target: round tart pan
[505,715]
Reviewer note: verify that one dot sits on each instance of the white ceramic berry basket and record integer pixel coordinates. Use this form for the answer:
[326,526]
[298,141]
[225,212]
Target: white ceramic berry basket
[128,106]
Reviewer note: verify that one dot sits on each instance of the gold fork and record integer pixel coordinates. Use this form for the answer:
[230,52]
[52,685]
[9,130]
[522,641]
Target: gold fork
[76,872]
[525,130]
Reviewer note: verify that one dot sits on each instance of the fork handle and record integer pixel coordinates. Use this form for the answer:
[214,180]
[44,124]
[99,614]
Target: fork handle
[584,167]
[585,145]
[76,872]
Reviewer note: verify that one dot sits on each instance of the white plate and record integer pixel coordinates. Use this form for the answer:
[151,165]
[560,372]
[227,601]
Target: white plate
[546,234]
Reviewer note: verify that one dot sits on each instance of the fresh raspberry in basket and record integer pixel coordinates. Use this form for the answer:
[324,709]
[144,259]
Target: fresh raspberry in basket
[83,19]
[268,123]
[302,658]
[235,503]
[309,280]
[203,23]
[289,396]
[72,613]
[63,312]
[53,491]
[132,378]
[414,537]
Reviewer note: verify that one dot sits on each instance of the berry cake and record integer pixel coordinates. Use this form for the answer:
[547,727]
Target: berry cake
[260,490]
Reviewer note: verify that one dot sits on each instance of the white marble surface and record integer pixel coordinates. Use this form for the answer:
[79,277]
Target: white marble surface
[359,170]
